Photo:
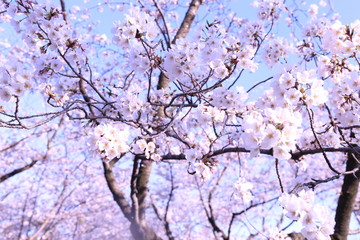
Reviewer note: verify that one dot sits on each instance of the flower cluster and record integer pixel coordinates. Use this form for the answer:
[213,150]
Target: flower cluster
[14,81]
[43,27]
[271,128]
[194,154]
[203,170]
[208,59]
[252,32]
[316,220]
[316,27]
[340,39]
[198,164]
[242,190]
[329,138]
[275,50]
[269,9]
[111,140]
[149,148]
[138,28]
[129,105]
[223,98]
[188,58]
[137,24]
[275,234]
[300,85]
[53,46]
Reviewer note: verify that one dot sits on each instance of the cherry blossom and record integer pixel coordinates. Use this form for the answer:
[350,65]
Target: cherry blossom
[177,120]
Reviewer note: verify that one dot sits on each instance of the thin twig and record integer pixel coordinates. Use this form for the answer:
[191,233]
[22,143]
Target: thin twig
[278,174]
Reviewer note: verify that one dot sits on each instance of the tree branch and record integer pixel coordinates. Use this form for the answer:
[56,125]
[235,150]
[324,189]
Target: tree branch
[234,215]
[295,155]
[211,219]
[17,171]
[63,9]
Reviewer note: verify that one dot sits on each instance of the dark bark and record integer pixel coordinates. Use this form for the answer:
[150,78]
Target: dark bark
[188,20]
[114,187]
[296,236]
[63,9]
[347,198]
[16,171]
[143,232]
[138,227]
[296,155]
[142,186]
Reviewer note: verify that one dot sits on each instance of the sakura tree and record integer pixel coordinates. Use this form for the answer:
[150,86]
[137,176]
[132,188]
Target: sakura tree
[181,120]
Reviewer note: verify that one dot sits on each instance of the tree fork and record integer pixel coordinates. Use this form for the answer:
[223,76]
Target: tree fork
[140,230]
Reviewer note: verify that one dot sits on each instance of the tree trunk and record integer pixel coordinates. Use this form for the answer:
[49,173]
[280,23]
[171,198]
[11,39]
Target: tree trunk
[142,232]
[296,236]
[139,228]
[347,198]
